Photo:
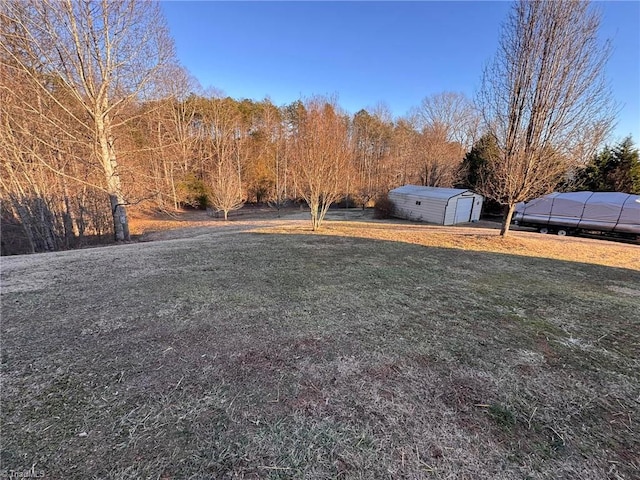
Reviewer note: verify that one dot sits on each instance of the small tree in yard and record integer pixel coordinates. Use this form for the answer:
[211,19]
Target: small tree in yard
[223,148]
[320,157]
[544,99]
[226,193]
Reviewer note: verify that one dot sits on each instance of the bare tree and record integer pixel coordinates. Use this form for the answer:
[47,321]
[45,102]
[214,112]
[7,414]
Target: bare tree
[269,167]
[451,114]
[38,161]
[102,55]
[223,150]
[438,159]
[403,152]
[173,125]
[448,123]
[544,99]
[371,139]
[321,155]
[226,192]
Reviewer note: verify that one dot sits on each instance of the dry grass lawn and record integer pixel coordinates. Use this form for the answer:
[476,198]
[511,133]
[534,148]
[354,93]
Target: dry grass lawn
[370,350]
[581,250]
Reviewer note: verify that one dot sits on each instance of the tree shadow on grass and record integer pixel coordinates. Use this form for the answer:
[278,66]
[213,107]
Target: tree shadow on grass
[317,355]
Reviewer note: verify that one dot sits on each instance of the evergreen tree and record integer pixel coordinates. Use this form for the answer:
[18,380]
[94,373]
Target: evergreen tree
[626,176]
[473,170]
[614,169]
[475,161]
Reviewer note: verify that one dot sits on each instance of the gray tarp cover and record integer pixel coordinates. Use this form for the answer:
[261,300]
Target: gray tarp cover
[608,211]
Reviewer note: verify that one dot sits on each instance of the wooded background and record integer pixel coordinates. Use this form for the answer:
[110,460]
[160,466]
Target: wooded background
[97,116]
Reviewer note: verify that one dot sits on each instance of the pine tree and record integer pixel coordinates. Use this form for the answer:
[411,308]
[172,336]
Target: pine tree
[475,162]
[614,169]
[625,177]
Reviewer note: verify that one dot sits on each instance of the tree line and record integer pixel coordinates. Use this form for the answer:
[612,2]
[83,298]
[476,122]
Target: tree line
[96,115]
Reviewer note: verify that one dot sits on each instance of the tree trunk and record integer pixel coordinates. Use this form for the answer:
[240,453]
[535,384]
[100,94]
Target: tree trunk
[45,224]
[173,190]
[81,224]
[71,230]
[25,221]
[119,213]
[315,224]
[67,221]
[506,221]
[114,189]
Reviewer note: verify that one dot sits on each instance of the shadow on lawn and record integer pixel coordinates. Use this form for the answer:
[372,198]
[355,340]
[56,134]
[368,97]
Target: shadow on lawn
[318,356]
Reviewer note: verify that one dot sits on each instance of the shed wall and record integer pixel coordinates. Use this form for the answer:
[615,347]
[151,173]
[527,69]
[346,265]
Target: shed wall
[437,208]
[429,210]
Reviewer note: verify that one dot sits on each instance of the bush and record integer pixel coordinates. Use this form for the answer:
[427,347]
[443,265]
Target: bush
[383,207]
[194,193]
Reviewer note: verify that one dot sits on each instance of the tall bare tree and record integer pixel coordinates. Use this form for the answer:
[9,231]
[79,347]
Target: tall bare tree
[172,121]
[102,55]
[321,154]
[268,168]
[451,114]
[544,98]
[403,142]
[223,147]
[371,139]
[37,161]
[438,159]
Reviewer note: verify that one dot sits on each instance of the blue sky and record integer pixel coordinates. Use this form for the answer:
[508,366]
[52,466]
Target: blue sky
[370,52]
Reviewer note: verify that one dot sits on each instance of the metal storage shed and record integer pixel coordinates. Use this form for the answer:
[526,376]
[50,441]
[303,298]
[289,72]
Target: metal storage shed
[445,206]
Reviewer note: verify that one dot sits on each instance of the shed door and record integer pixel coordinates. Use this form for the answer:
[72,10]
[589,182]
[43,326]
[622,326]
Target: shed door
[463,209]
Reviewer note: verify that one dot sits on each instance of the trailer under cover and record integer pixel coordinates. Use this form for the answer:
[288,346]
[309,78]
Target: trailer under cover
[602,211]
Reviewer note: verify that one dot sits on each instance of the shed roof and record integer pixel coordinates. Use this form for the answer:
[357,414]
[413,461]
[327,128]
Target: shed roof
[432,192]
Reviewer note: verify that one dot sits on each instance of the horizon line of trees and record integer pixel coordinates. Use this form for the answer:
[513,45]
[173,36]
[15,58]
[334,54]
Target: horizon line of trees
[218,153]
[97,116]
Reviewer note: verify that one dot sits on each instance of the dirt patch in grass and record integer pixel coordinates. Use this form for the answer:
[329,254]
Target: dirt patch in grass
[294,355]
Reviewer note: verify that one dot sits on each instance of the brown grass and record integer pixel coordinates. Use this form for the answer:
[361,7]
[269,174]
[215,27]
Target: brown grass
[320,356]
[597,252]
